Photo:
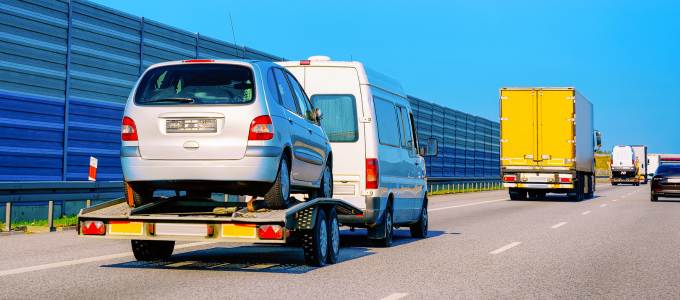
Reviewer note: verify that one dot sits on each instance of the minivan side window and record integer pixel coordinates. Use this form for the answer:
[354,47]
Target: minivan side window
[284,90]
[303,101]
[388,122]
[406,128]
[272,86]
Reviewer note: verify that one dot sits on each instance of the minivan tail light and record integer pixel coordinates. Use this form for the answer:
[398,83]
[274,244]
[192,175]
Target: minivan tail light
[128,130]
[261,129]
[372,173]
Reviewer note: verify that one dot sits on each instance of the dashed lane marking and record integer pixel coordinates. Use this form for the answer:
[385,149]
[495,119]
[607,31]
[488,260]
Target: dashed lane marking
[395,296]
[558,225]
[505,248]
[603,205]
[585,212]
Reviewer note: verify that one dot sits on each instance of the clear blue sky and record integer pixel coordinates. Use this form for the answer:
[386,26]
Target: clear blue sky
[622,55]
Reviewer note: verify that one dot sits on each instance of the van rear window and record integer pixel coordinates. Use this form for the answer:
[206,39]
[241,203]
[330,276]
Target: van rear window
[196,84]
[339,119]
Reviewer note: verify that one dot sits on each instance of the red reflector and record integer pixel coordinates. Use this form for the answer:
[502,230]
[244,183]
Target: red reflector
[151,228]
[93,228]
[128,131]
[509,178]
[198,60]
[372,173]
[211,230]
[270,232]
[565,180]
[261,129]
[305,62]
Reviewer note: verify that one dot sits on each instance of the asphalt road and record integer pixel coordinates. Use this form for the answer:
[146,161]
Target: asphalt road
[618,245]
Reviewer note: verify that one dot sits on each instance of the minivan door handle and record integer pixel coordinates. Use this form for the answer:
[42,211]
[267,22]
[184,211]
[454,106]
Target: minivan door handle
[290,121]
[310,130]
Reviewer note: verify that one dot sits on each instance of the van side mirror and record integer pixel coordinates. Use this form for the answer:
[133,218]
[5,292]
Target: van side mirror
[598,140]
[318,114]
[429,148]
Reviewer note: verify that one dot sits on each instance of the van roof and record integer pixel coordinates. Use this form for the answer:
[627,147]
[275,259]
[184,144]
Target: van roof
[367,75]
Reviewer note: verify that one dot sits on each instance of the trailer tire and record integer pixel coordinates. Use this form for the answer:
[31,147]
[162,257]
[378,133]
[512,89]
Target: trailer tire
[136,195]
[315,241]
[278,196]
[419,229]
[325,189]
[333,237]
[145,250]
[516,194]
[591,187]
[654,198]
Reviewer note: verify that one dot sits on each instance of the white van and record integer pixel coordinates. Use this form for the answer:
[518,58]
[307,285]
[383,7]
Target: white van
[369,123]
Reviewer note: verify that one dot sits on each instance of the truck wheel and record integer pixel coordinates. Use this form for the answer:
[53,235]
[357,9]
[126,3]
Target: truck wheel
[278,196]
[333,237]
[516,194]
[654,198]
[419,229]
[385,228]
[152,250]
[315,241]
[536,195]
[325,189]
[137,196]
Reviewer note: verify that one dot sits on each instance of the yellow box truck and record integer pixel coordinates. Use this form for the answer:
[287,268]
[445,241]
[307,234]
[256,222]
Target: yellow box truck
[547,142]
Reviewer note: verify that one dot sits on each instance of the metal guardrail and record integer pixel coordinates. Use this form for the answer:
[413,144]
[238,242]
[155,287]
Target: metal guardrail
[59,192]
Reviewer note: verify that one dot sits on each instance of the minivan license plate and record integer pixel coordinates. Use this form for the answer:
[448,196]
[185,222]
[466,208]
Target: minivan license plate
[191,125]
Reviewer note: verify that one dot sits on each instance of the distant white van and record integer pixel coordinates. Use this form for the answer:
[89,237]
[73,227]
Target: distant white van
[378,165]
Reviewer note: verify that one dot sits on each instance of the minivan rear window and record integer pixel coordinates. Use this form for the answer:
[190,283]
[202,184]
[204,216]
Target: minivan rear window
[196,84]
[339,119]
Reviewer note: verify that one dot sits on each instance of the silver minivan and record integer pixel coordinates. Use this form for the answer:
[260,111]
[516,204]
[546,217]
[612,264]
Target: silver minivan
[226,126]
[369,122]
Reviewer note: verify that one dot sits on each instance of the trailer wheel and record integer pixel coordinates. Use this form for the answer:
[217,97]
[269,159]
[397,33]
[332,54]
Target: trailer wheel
[278,195]
[333,237]
[577,193]
[137,196]
[654,198]
[315,241]
[517,194]
[152,250]
[419,229]
[591,187]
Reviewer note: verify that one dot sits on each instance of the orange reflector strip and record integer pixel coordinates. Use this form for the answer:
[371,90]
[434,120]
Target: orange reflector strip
[239,231]
[126,228]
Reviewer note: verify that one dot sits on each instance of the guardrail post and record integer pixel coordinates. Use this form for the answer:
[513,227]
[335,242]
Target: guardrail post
[88,203]
[50,212]
[8,216]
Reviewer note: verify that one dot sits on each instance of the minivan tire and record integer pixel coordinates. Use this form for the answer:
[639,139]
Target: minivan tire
[152,250]
[419,229]
[136,195]
[278,196]
[325,189]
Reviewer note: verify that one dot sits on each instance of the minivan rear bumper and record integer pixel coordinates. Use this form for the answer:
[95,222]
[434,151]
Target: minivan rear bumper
[249,168]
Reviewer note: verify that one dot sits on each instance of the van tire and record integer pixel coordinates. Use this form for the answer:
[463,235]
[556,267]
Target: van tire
[137,196]
[315,241]
[152,250]
[385,228]
[419,229]
[275,198]
[325,189]
[333,237]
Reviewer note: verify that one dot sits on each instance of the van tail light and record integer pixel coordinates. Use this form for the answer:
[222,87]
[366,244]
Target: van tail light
[128,131]
[509,178]
[92,228]
[372,173]
[270,232]
[261,129]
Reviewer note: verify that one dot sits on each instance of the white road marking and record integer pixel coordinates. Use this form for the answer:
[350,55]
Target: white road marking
[558,225]
[504,248]
[614,200]
[180,264]
[585,212]
[603,205]
[85,260]
[464,205]
[395,296]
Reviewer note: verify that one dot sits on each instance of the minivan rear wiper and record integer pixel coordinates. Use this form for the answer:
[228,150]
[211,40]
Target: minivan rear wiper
[183,100]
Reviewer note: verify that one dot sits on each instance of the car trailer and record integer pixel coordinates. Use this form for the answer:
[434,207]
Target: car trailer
[153,228]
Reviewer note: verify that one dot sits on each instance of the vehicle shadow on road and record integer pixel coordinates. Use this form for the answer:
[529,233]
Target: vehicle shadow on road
[669,200]
[556,198]
[264,258]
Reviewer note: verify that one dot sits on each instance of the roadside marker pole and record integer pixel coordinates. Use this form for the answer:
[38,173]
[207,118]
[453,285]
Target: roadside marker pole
[8,216]
[88,202]
[92,174]
[50,212]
